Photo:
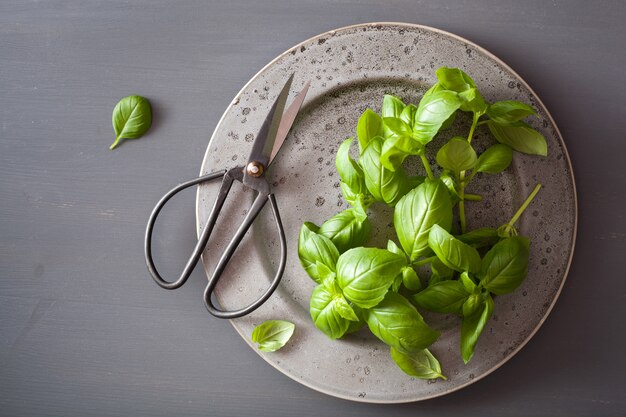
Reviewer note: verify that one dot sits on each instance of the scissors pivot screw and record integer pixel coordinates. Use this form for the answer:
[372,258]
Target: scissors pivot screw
[254,169]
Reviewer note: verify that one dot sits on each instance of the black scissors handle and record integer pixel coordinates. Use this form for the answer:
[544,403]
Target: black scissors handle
[263,196]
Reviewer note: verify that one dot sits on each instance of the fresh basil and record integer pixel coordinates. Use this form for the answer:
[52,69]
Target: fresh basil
[392,106]
[398,126]
[392,247]
[495,159]
[347,229]
[454,79]
[326,313]
[313,248]
[485,236]
[370,126]
[440,272]
[421,364]
[473,101]
[468,283]
[505,265]
[365,274]
[452,252]
[442,297]
[519,136]
[272,335]
[471,328]
[383,184]
[396,149]
[457,155]
[472,304]
[408,115]
[350,172]
[132,117]
[417,212]
[509,111]
[397,323]
[432,112]
[410,279]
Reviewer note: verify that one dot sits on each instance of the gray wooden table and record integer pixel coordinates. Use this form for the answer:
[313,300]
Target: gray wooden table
[84,331]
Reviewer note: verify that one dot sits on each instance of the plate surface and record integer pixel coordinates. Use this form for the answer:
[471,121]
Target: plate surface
[350,69]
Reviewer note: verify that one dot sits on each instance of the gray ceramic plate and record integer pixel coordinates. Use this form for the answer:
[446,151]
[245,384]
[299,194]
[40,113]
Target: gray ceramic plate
[350,70]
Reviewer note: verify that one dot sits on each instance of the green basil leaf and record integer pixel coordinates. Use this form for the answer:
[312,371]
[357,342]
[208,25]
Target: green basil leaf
[468,283]
[395,149]
[454,79]
[392,106]
[452,187]
[132,117]
[313,248]
[346,229]
[472,304]
[365,274]
[495,159]
[505,265]
[272,335]
[452,252]
[397,323]
[442,297]
[507,112]
[457,155]
[397,283]
[417,212]
[420,364]
[440,272]
[392,247]
[482,237]
[397,126]
[432,111]
[349,171]
[345,309]
[519,136]
[471,328]
[410,279]
[327,275]
[408,115]
[325,313]
[370,126]
[473,101]
[383,184]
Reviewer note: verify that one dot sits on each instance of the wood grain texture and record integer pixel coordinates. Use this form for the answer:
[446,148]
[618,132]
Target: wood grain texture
[85,332]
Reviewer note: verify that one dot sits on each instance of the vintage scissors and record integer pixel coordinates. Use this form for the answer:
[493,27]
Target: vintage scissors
[252,175]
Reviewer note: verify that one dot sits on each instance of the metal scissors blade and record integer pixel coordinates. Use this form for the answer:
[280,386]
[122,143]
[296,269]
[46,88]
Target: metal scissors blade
[287,121]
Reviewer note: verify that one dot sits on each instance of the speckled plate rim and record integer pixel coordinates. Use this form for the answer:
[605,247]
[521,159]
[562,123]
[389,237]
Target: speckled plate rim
[549,116]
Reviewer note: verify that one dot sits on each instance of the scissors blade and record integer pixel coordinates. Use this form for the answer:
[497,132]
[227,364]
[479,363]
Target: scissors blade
[287,121]
[264,143]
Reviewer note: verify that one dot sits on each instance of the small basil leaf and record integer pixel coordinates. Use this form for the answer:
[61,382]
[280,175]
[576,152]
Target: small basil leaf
[520,136]
[442,297]
[432,111]
[482,237]
[408,115]
[452,252]
[132,117]
[471,328]
[457,155]
[346,229]
[468,283]
[397,283]
[397,126]
[505,265]
[365,274]
[383,184]
[395,149]
[313,248]
[451,186]
[410,279]
[472,304]
[325,313]
[324,272]
[507,112]
[392,106]
[344,309]
[370,126]
[417,212]
[473,102]
[397,323]
[495,159]
[349,171]
[420,364]
[392,247]
[454,79]
[272,335]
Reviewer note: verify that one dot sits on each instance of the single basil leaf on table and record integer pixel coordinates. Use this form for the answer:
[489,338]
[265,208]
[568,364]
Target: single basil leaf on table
[132,117]
[397,323]
[272,335]
[350,172]
[485,236]
[452,252]
[421,364]
[417,212]
[505,266]
[365,274]
[509,111]
[432,111]
[472,326]
[347,229]
[443,297]
[519,136]
[313,248]
[384,185]
[325,312]
[370,125]
[456,155]
[494,159]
